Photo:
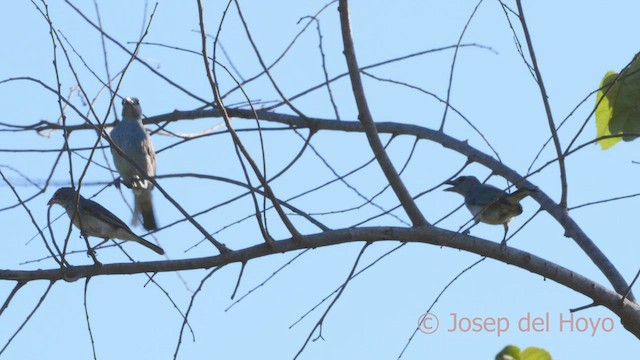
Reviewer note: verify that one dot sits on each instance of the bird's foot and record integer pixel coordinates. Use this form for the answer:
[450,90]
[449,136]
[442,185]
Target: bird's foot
[139,184]
[92,253]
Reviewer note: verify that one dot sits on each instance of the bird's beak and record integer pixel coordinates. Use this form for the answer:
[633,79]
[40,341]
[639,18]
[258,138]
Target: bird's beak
[51,202]
[449,182]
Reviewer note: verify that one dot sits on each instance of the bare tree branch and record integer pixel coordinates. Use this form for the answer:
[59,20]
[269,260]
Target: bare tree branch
[370,126]
[628,311]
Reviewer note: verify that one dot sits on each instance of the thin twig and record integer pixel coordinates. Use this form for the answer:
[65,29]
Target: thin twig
[547,108]
[214,87]
[353,277]
[193,298]
[33,220]
[26,320]
[243,264]
[453,64]
[438,298]
[266,280]
[318,325]
[13,293]
[86,313]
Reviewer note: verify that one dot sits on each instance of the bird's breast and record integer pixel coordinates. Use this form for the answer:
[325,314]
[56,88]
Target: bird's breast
[92,226]
[495,213]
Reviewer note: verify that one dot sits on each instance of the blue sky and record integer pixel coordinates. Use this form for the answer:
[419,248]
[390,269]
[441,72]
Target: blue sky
[576,44]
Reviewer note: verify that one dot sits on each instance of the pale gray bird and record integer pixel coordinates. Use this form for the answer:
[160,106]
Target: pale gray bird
[130,136]
[487,203]
[94,220]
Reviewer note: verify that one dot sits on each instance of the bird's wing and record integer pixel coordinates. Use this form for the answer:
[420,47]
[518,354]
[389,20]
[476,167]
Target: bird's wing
[484,195]
[141,152]
[151,156]
[92,208]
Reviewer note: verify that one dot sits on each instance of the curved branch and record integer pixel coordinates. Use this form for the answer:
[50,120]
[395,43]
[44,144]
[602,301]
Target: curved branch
[628,311]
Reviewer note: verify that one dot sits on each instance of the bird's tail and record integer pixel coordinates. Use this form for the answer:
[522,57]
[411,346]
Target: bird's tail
[148,244]
[144,207]
[519,194]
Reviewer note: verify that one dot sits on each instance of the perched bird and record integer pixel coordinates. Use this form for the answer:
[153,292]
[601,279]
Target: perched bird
[487,203]
[94,220]
[130,136]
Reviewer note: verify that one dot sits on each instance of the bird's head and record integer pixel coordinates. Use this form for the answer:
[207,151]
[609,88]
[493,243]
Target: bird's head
[131,108]
[62,196]
[462,184]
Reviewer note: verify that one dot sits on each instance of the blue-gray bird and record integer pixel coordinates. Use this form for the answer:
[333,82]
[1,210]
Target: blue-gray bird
[487,203]
[130,136]
[94,220]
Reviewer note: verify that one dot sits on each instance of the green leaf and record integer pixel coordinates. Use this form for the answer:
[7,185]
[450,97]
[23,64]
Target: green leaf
[510,352]
[604,111]
[618,100]
[534,353]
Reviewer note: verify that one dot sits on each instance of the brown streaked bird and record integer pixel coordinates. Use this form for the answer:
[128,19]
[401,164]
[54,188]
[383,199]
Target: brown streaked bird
[487,203]
[96,220]
[130,136]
